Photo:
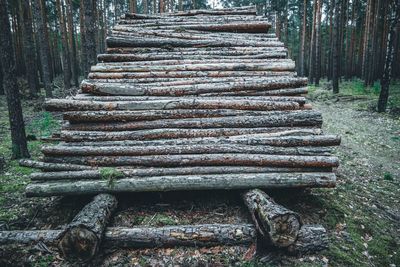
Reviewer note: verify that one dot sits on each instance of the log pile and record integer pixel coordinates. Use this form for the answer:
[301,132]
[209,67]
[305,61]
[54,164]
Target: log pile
[196,100]
[188,100]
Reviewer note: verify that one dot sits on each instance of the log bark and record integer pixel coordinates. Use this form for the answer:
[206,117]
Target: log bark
[189,103]
[148,237]
[277,224]
[183,182]
[311,239]
[169,133]
[96,174]
[202,160]
[51,167]
[270,83]
[182,149]
[293,118]
[81,239]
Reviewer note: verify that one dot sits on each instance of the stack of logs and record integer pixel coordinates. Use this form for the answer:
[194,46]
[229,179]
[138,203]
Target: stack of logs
[195,100]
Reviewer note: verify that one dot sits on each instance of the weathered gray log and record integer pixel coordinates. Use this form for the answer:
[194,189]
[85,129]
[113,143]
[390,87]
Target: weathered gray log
[179,103]
[201,160]
[151,66]
[81,239]
[311,239]
[294,118]
[217,12]
[277,224]
[171,133]
[276,92]
[51,167]
[98,173]
[192,50]
[270,83]
[183,182]
[181,149]
[147,237]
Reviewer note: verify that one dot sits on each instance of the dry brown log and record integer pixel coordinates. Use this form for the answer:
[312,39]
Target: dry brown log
[270,83]
[178,103]
[216,12]
[292,118]
[152,76]
[52,167]
[198,65]
[96,173]
[173,42]
[279,225]
[81,239]
[278,92]
[193,50]
[183,182]
[225,159]
[99,150]
[148,237]
[311,239]
[168,133]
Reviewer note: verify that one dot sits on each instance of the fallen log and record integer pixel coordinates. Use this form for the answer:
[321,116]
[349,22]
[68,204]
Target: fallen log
[192,50]
[51,167]
[278,92]
[294,118]
[216,12]
[99,150]
[311,239]
[148,237]
[279,225]
[81,239]
[183,182]
[201,160]
[121,172]
[178,103]
[169,133]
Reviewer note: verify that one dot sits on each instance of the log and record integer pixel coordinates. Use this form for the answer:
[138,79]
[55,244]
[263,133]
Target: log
[294,118]
[96,173]
[226,159]
[153,76]
[279,225]
[229,65]
[170,133]
[183,182]
[311,239]
[81,239]
[51,167]
[171,42]
[192,50]
[181,149]
[148,237]
[179,103]
[216,12]
[269,83]
[278,92]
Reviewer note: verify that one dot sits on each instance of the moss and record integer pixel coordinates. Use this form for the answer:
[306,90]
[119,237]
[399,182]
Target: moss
[110,174]
[387,176]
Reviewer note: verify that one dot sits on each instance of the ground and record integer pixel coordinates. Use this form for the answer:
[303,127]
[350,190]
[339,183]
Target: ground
[362,213]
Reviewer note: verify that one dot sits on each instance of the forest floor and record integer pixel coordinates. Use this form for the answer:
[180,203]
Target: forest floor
[362,214]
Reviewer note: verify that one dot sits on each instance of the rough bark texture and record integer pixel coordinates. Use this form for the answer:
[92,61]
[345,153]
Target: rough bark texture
[277,224]
[18,137]
[81,239]
[310,240]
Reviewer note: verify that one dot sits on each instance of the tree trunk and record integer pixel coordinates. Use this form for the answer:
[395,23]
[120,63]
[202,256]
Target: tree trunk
[317,65]
[311,74]
[81,239]
[183,182]
[64,46]
[275,223]
[29,50]
[389,63]
[72,44]
[43,44]
[303,39]
[1,81]
[90,32]
[18,138]
[84,63]
[336,48]
[133,6]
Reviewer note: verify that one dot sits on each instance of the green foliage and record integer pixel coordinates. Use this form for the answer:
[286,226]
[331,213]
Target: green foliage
[43,126]
[388,176]
[110,174]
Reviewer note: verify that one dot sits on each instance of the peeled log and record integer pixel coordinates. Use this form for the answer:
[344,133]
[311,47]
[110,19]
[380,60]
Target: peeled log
[295,118]
[148,237]
[81,240]
[183,182]
[276,223]
[202,160]
[171,133]
[179,103]
[311,239]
